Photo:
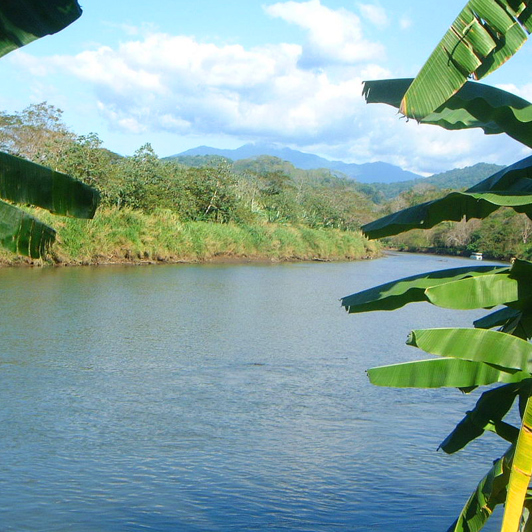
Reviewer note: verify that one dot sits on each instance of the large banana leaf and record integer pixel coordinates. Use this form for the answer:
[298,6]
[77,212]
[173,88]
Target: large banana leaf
[22,233]
[520,325]
[477,345]
[32,184]
[497,319]
[396,294]
[474,105]
[510,321]
[490,291]
[490,492]
[453,207]
[510,187]
[23,21]
[490,409]
[520,474]
[485,34]
[442,372]
[29,183]
[512,288]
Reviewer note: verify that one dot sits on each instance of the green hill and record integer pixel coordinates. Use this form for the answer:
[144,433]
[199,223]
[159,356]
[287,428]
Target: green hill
[459,178]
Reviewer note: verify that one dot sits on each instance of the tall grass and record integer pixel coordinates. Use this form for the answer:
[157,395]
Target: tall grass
[126,235]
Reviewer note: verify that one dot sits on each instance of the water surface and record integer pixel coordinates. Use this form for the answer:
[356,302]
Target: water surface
[222,398]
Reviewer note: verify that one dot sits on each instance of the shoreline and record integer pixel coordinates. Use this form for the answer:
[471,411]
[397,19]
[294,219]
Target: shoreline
[26,262]
[127,236]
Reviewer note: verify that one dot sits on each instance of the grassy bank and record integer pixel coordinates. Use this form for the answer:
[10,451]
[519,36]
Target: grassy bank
[122,236]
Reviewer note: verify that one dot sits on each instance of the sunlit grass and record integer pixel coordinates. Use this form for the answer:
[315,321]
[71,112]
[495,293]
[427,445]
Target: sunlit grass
[127,235]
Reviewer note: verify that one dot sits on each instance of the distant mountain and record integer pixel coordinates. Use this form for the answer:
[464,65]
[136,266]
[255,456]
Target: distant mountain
[364,173]
[463,177]
[459,178]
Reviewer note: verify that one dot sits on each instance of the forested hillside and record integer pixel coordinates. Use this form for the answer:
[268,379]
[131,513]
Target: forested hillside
[201,207]
[502,235]
[458,178]
[375,172]
[262,197]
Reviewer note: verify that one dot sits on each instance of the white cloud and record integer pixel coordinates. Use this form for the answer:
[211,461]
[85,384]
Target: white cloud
[427,149]
[176,83]
[333,35]
[163,83]
[405,23]
[524,91]
[375,14]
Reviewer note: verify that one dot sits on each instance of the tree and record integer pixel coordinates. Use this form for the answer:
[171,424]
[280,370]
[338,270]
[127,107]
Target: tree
[484,35]
[21,22]
[35,134]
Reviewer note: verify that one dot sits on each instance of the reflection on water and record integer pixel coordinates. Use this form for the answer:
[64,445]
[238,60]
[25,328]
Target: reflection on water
[220,398]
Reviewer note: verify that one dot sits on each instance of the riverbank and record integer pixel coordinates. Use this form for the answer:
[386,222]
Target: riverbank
[454,252]
[127,236]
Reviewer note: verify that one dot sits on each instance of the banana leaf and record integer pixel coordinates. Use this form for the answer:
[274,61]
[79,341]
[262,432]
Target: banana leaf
[490,492]
[442,372]
[498,318]
[520,326]
[23,234]
[474,105]
[510,187]
[396,294]
[510,321]
[478,345]
[514,178]
[23,21]
[485,34]
[489,291]
[520,474]
[504,430]
[490,409]
[28,183]
[512,287]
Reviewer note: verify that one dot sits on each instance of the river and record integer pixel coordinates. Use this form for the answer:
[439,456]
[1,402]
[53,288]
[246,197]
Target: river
[222,398]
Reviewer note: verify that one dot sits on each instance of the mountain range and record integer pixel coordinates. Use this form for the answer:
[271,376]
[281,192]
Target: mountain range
[377,172]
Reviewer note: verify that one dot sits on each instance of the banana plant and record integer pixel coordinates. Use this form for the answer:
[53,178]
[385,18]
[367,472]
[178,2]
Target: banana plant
[485,34]
[24,182]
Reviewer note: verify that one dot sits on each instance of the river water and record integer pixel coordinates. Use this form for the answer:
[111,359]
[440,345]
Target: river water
[222,398]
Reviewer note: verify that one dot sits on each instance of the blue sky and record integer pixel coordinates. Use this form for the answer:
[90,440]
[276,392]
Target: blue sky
[181,74]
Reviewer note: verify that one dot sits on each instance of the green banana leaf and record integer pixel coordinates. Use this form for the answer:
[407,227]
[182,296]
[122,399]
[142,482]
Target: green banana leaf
[28,183]
[510,321]
[23,21]
[490,409]
[510,187]
[520,474]
[512,288]
[396,294]
[526,518]
[513,179]
[485,34]
[22,233]
[442,372]
[477,345]
[489,291]
[520,326]
[506,431]
[490,492]
[474,105]
[498,318]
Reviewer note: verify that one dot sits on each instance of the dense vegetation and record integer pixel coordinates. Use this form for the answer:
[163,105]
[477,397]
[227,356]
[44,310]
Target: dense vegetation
[503,235]
[497,351]
[313,214]
[458,178]
[247,193]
